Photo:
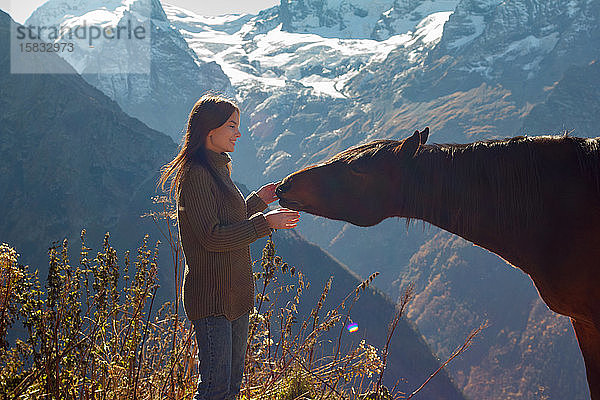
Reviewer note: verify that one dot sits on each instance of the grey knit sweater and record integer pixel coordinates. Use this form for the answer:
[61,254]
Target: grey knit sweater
[216,228]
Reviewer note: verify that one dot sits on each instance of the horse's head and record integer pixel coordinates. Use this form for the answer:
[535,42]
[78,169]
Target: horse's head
[358,185]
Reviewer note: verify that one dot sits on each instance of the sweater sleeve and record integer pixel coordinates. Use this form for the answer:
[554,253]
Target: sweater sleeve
[254,204]
[198,191]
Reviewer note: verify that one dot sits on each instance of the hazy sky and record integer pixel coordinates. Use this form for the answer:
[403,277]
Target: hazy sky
[20,10]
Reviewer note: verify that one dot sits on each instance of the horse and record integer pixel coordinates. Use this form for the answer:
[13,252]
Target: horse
[533,201]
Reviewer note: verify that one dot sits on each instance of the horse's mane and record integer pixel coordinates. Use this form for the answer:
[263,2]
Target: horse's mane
[509,168]
[365,150]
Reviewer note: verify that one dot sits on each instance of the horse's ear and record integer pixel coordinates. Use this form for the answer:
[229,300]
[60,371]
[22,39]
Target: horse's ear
[410,145]
[424,135]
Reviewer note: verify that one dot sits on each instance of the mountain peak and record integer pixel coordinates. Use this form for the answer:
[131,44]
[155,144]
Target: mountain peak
[169,77]
[358,19]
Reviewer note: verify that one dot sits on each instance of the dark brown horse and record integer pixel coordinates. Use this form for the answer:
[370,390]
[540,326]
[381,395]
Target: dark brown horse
[534,201]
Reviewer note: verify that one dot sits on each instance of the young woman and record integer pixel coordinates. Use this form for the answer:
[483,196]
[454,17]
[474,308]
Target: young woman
[216,226]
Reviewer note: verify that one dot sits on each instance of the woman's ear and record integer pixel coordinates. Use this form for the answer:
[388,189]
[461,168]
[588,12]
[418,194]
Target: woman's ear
[210,134]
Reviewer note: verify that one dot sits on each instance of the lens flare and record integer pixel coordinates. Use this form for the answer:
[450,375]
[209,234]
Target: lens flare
[352,327]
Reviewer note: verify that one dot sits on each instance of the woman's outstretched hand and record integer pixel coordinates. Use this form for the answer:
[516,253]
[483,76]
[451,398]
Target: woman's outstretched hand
[267,192]
[282,218]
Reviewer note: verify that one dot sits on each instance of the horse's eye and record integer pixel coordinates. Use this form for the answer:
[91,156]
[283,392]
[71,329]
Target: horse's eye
[358,167]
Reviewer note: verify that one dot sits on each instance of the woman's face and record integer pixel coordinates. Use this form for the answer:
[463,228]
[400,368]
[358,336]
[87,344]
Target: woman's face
[223,138]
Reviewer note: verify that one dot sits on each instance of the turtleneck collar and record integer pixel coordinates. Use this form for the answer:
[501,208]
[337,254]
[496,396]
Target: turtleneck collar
[217,159]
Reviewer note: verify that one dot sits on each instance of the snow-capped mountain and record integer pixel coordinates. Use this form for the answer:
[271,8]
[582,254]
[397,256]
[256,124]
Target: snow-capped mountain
[358,19]
[524,44]
[325,87]
[493,63]
[158,87]
[251,55]
[292,86]
[404,15]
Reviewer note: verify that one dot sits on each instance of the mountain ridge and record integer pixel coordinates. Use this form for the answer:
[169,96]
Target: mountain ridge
[176,74]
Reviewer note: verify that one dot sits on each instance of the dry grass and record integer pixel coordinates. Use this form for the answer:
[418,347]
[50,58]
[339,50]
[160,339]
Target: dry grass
[94,332]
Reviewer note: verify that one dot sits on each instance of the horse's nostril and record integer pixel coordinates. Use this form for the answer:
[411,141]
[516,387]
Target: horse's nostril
[284,187]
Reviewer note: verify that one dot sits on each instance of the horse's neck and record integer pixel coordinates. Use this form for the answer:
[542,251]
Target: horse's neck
[474,199]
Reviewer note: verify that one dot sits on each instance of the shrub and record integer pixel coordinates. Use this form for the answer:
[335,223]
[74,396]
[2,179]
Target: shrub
[93,331]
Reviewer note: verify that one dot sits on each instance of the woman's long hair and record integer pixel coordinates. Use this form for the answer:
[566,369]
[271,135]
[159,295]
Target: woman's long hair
[209,112]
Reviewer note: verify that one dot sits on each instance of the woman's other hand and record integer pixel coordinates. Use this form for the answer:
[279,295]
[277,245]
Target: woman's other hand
[267,192]
[282,218]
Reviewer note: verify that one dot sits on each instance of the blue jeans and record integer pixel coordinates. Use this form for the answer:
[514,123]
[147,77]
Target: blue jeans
[221,353]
